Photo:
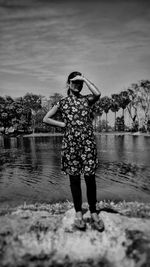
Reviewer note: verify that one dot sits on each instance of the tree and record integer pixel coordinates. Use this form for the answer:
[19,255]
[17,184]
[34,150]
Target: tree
[9,100]
[115,105]
[144,100]
[120,123]
[2,110]
[13,112]
[124,100]
[54,99]
[105,104]
[22,115]
[2,101]
[6,111]
[139,94]
[32,102]
[132,107]
[96,113]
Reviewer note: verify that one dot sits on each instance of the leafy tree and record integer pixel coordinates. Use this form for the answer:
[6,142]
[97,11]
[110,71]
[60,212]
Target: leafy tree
[139,94]
[9,100]
[115,105]
[14,113]
[54,99]
[96,113]
[105,103]
[144,100]
[32,102]
[6,111]
[2,110]
[120,123]
[22,115]
[124,100]
[132,107]
[2,101]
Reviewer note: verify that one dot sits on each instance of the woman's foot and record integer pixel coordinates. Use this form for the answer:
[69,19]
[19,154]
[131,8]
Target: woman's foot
[97,222]
[79,222]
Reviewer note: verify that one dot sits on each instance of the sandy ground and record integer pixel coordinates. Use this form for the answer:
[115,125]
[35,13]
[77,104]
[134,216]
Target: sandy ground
[44,235]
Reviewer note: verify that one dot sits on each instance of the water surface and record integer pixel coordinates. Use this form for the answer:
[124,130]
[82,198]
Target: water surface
[30,169]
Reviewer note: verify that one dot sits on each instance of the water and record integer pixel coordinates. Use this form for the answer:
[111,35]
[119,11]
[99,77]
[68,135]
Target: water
[30,169]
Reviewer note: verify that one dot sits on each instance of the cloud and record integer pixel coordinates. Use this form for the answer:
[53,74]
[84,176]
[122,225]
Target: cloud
[49,39]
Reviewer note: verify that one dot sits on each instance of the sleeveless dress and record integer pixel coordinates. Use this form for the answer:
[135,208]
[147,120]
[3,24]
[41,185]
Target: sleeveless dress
[79,153]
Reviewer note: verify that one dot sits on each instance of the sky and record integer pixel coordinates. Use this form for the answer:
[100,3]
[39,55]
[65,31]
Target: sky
[43,41]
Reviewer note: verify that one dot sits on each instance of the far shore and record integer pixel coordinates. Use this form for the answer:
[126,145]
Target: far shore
[96,133]
[61,134]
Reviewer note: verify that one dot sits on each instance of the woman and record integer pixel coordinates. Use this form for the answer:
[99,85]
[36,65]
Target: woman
[78,153]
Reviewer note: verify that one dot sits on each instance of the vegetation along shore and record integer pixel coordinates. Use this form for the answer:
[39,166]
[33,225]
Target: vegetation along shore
[24,115]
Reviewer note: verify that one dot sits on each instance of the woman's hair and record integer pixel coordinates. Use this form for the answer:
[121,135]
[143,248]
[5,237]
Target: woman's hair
[71,76]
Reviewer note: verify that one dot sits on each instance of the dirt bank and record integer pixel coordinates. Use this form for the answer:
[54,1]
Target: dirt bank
[44,235]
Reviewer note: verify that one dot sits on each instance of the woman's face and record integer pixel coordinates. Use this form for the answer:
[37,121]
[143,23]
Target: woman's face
[76,86]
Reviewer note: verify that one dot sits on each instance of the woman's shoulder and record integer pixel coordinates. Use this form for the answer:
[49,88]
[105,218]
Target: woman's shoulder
[91,98]
[63,100]
[85,97]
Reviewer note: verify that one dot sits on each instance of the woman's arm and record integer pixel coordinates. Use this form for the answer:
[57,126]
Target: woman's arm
[52,112]
[95,91]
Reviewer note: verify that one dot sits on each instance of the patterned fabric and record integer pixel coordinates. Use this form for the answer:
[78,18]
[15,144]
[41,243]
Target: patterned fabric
[79,154]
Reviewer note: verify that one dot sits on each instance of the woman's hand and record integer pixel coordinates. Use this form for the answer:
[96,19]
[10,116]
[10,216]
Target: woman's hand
[62,124]
[78,78]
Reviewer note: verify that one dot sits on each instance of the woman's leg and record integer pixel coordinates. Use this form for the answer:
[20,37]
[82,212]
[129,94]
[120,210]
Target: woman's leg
[91,192]
[75,185]
[91,196]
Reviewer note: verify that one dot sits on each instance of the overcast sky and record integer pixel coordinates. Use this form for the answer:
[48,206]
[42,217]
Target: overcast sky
[42,41]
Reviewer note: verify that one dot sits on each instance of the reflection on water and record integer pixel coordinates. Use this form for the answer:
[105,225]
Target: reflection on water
[30,169]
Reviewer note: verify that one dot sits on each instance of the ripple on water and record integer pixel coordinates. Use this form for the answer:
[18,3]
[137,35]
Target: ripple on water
[30,169]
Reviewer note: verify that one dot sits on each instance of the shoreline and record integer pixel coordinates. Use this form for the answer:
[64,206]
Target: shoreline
[102,133]
[61,134]
[130,208]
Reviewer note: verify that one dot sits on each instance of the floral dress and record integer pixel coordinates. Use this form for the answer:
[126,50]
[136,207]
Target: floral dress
[79,154]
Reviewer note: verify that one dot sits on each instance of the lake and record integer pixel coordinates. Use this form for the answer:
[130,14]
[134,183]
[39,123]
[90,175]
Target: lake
[30,169]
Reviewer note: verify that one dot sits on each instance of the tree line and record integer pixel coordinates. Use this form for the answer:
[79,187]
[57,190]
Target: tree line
[25,114]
